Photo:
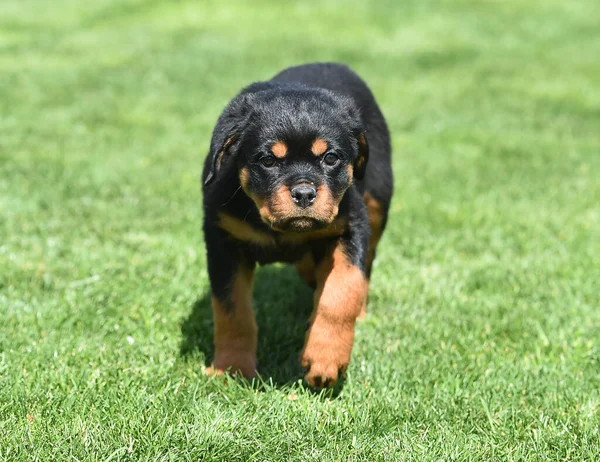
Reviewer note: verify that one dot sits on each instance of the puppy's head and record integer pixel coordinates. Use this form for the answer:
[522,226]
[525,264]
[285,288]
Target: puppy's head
[295,153]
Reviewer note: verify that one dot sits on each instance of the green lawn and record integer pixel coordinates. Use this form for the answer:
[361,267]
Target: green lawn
[483,335]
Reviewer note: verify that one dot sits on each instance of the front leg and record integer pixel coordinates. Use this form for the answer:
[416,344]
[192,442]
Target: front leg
[235,330]
[339,298]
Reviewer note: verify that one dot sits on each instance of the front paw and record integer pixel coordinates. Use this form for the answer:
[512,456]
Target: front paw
[326,358]
[233,362]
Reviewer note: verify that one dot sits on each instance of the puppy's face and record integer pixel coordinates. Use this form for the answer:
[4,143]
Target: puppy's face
[296,156]
[297,185]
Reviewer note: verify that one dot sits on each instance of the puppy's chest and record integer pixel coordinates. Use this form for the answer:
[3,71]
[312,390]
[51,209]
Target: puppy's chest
[266,246]
[282,253]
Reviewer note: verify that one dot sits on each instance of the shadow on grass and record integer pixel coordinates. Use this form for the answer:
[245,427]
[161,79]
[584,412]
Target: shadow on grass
[282,304]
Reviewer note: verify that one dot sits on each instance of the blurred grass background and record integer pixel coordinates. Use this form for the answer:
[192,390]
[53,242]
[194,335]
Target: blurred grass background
[482,341]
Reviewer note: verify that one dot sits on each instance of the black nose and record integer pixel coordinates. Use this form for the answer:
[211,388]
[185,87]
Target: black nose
[304,195]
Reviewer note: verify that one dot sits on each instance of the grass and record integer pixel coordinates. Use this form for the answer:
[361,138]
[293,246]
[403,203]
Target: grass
[482,340]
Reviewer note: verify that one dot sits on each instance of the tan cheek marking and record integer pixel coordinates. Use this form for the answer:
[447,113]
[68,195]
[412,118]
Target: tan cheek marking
[280,203]
[235,331]
[243,231]
[261,204]
[325,206]
[319,147]
[279,149]
[265,214]
[280,206]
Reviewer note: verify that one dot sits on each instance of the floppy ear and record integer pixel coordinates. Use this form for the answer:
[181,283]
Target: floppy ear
[357,130]
[360,164]
[228,131]
[217,157]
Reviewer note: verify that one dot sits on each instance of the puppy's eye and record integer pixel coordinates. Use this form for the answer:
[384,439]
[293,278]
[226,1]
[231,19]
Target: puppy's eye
[268,161]
[331,159]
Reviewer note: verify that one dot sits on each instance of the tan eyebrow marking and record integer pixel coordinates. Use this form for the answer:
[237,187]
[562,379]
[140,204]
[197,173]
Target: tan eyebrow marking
[279,149]
[319,147]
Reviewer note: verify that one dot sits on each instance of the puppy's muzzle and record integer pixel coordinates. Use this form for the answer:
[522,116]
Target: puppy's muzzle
[304,195]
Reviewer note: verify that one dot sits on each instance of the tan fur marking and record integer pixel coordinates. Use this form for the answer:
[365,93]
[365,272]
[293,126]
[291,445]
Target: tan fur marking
[226,146]
[244,179]
[362,152]
[325,206]
[244,182]
[376,214]
[244,231]
[280,206]
[350,172]
[235,329]
[362,141]
[339,297]
[279,149]
[220,159]
[319,147]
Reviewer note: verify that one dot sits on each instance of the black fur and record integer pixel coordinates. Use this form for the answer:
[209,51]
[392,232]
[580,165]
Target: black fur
[326,101]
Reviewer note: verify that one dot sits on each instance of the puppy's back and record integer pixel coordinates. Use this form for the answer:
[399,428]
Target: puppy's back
[331,76]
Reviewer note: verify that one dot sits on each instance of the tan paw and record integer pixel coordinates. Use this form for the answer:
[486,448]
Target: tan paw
[323,375]
[325,361]
[233,362]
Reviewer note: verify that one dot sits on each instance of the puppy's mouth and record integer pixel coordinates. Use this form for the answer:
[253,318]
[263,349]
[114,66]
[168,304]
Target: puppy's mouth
[299,224]
[282,213]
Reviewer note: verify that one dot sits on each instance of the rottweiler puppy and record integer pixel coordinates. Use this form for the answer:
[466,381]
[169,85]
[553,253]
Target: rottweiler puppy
[299,171]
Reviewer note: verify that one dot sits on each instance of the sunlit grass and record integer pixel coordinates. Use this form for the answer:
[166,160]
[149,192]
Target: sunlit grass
[482,336]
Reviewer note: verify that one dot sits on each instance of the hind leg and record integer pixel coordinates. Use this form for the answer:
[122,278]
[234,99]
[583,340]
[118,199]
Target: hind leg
[377,218]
